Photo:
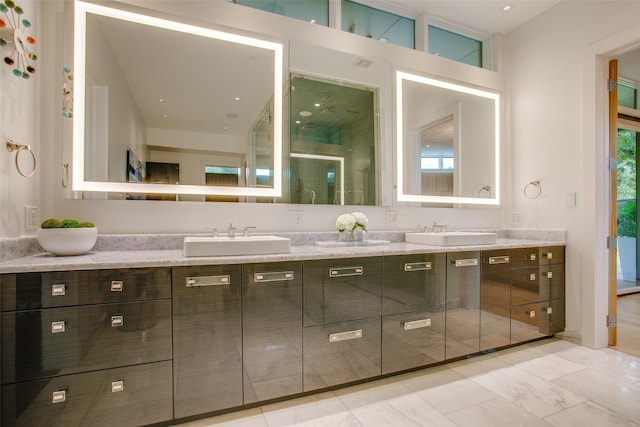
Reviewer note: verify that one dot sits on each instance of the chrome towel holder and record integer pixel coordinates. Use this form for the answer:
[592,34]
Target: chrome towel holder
[19,148]
[533,190]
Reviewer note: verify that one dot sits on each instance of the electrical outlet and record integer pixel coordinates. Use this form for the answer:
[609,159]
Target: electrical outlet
[392,218]
[570,199]
[294,217]
[516,218]
[30,217]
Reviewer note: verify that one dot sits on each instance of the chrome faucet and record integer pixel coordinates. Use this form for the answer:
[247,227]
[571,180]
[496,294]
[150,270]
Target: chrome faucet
[438,228]
[435,228]
[231,231]
[245,233]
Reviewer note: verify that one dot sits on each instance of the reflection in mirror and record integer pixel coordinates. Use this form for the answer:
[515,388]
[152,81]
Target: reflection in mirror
[333,142]
[164,108]
[447,142]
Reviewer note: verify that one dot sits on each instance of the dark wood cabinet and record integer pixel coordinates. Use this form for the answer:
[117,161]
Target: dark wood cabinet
[86,347]
[413,307]
[537,293]
[138,346]
[495,299]
[271,330]
[463,304]
[207,344]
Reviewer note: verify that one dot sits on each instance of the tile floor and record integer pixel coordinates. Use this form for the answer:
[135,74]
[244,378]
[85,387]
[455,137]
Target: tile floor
[547,383]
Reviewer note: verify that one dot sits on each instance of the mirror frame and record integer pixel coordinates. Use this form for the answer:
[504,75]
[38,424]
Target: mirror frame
[402,76]
[78,182]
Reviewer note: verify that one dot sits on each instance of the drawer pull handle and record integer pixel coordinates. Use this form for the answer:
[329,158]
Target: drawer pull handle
[532,277]
[549,255]
[117,321]
[417,266]
[117,386]
[470,262]
[549,275]
[117,285]
[58,290]
[531,257]
[531,313]
[346,271]
[58,396]
[58,327]
[194,282]
[275,276]
[416,324]
[549,310]
[499,259]
[344,336]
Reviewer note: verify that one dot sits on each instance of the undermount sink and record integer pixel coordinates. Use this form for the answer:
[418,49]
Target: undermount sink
[451,238]
[240,245]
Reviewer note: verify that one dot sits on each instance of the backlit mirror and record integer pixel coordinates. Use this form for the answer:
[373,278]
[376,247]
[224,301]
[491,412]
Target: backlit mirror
[447,142]
[165,108]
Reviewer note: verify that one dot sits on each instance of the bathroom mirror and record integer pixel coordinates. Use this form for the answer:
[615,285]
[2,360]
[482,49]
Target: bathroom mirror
[163,107]
[447,142]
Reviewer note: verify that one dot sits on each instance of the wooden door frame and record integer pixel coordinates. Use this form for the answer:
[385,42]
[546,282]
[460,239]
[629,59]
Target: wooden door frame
[613,200]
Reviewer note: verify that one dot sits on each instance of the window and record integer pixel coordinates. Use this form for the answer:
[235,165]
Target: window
[377,24]
[314,11]
[444,164]
[627,96]
[455,46]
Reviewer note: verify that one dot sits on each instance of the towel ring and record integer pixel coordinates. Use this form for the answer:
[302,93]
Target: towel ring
[533,190]
[486,188]
[18,148]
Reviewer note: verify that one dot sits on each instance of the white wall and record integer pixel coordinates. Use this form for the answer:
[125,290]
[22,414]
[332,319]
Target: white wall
[19,121]
[557,136]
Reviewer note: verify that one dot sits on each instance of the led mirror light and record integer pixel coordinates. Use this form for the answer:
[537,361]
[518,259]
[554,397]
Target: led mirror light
[402,194]
[79,183]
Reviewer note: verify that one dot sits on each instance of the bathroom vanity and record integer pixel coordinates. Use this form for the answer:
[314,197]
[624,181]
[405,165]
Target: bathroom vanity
[162,337]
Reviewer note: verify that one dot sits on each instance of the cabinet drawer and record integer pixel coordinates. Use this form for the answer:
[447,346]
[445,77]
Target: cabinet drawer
[339,290]
[525,257]
[26,291]
[130,396]
[537,284]
[414,282]
[551,255]
[341,352]
[68,340]
[531,321]
[410,340]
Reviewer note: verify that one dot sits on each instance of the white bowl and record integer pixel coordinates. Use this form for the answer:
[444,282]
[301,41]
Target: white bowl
[67,241]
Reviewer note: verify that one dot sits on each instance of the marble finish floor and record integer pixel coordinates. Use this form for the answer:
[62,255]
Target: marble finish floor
[547,383]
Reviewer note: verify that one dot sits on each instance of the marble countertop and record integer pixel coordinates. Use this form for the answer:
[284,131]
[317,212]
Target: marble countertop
[102,259]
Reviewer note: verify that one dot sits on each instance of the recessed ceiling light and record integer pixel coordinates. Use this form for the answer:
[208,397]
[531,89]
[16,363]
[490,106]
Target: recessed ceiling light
[298,122]
[165,116]
[507,8]
[161,100]
[317,104]
[237,98]
[305,113]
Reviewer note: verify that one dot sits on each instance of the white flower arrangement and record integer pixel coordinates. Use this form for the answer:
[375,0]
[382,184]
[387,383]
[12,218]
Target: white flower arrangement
[351,222]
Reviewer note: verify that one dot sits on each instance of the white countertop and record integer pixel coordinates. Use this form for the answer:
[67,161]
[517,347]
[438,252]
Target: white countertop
[101,259]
